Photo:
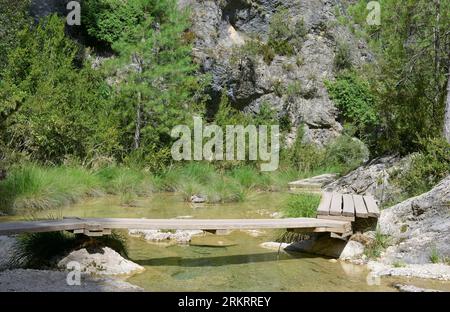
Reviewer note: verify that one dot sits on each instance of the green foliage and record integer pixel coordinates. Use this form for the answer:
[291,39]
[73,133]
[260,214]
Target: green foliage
[342,58]
[353,97]
[374,249]
[285,37]
[434,256]
[13,18]
[427,168]
[53,108]
[162,62]
[409,77]
[43,250]
[109,20]
[303,205]
[346,152]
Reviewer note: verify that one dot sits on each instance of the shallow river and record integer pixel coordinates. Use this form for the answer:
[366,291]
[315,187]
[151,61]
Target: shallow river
[234,262]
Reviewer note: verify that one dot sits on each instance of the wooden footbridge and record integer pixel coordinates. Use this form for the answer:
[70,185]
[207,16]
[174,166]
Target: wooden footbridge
[334,215]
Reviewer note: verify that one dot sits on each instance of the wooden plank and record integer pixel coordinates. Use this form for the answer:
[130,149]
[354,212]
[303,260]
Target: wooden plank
[339,218]
[325,203]
[336,205]
[360,207]
[98,224]
[372,207]
[348,208]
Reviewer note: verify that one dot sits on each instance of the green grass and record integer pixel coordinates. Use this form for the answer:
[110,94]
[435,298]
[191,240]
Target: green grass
[43,250]
[303,205]
[378,245]
[31,187]
[434,256]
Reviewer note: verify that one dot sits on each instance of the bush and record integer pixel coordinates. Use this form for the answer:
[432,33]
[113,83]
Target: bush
[109,20]
[284,38]
[430,166]
[355,101]
[346,152]
[342,59]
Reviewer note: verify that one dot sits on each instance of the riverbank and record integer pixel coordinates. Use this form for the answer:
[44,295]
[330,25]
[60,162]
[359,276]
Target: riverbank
[34,188]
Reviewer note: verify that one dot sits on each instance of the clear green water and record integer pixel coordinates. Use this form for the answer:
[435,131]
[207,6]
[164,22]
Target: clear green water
[234,262]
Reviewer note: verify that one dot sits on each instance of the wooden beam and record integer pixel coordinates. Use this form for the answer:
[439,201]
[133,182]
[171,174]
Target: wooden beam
[105,224]
[360,207]
[336,205]
[372,207]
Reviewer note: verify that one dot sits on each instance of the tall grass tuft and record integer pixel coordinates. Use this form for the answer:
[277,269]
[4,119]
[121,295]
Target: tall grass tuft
[44,250]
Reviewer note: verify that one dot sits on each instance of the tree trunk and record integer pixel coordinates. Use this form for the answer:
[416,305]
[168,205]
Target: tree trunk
[447,111]
[137,132]
[437,60]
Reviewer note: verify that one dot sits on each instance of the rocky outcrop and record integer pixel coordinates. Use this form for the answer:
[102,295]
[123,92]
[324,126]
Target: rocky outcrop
[101,262]
[223,27]
[373,178]
[419,227]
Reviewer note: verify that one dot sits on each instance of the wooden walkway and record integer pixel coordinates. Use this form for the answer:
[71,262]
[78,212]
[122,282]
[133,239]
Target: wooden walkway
[347,207]
[103,226]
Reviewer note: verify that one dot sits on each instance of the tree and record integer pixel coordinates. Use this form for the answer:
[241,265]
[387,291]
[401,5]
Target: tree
[409,79]
[13,18]
[158,85]
[51,108]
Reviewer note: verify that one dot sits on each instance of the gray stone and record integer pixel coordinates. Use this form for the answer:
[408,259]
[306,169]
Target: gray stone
[102,262]
[419,226]
[198,199]
[412,288]
[352,250]
[373,178]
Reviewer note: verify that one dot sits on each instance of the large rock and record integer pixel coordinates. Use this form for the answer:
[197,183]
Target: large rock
[373,178]
[102,262]
[419,226]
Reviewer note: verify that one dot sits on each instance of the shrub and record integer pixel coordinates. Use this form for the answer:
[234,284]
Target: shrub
[342,59]
[109,20]
[380,243]
[346,152]
[284,38]
[355,101]
[430,166]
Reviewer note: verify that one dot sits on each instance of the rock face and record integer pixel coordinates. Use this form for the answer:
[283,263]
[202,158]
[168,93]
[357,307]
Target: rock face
[372,178]
[419,226]
[223,27]
[104,262]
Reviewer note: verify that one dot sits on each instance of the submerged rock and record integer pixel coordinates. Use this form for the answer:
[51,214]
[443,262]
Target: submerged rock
[198,199]
[274,246]
[56,281]
[180,236]
[102,262]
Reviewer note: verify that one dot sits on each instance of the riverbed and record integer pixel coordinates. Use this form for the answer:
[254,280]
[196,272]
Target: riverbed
[233,262]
